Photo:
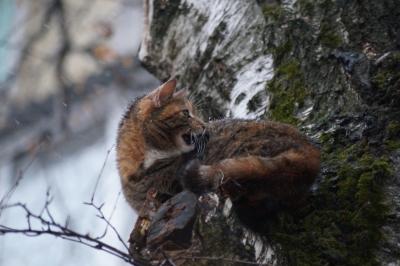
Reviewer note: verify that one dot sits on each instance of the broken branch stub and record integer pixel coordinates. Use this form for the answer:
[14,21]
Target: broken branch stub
[172,225]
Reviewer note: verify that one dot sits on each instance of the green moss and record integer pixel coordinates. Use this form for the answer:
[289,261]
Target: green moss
[212,246]
[380,78]
[326,138]
[288,92]
[273,11]
[392,145]
[306,7]
[331,40]
[386,79]
[392,133]
[329,37]
[290,69]
[393,129]
[341,224]
[281,51]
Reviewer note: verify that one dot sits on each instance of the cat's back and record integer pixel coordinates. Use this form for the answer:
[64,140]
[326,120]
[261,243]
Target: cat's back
[237,137]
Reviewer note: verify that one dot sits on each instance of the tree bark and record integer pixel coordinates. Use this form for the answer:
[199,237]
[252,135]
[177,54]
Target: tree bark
[329,67]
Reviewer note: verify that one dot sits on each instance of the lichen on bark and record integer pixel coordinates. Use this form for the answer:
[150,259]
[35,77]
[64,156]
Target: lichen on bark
[332,69]
[347,211]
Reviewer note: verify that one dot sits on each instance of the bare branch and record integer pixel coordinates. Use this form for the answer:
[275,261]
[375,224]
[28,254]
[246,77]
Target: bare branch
[51,227]
[107,221]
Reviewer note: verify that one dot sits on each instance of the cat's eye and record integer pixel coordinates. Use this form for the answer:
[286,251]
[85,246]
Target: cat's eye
[186,113]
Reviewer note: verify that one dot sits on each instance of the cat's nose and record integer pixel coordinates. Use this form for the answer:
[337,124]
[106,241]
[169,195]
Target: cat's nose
[198,122]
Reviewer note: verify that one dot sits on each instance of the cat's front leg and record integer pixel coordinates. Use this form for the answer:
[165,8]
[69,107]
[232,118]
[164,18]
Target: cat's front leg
[199,178]
[226,174]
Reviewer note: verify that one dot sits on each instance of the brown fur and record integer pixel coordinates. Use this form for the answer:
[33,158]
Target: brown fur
[154,123]
[253,162]
[273,154]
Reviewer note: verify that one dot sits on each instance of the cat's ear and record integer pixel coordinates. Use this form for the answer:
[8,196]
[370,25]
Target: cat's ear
[181,94]
[160,95]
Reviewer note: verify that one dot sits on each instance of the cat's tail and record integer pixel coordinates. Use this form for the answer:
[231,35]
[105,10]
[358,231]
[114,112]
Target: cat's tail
[284,174]
[291,162]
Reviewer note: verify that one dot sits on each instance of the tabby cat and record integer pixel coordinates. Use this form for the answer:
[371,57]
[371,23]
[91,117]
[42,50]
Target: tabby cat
[162,144]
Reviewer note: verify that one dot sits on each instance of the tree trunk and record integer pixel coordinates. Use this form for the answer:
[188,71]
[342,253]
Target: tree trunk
[329,67]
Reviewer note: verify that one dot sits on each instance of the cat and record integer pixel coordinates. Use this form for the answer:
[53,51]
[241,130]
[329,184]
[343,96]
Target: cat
[262,166]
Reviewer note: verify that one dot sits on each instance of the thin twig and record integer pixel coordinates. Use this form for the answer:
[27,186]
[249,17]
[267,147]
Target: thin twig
[111,215]
[223,259]
[98,208]
[102,217]
[101,173]
[4,200]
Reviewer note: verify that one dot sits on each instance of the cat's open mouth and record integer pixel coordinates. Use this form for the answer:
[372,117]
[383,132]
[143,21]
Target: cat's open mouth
[199,140]
[188,139]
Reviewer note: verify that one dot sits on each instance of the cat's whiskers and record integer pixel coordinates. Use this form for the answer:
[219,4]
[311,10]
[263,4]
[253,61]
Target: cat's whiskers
[198,104]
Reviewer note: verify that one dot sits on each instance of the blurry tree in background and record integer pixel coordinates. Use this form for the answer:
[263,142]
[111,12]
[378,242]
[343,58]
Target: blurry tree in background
[68,68]
[57,52]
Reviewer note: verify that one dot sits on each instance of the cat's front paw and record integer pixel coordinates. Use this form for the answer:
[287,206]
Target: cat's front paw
[196,177]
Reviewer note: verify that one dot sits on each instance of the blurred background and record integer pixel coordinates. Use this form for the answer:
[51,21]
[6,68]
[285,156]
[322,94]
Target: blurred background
[68,68]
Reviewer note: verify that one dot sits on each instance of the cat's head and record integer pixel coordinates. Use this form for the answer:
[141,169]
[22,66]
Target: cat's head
[168,119]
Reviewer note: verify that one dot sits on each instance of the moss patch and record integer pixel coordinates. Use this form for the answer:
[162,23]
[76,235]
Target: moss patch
[273,12]
[288,92]
[341,226]
[392,136]
[330,38]
[215,246]
[386,81]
